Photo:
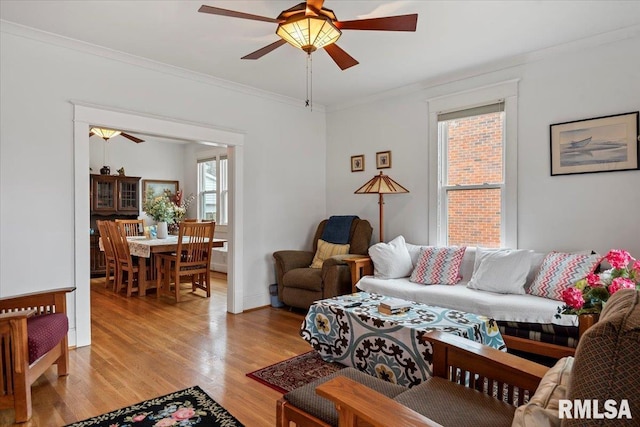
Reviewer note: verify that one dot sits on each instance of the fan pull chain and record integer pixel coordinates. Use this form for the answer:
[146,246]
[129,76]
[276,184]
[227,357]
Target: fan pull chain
[309,101]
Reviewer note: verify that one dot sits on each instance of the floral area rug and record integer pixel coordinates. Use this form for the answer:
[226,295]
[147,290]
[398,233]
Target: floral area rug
[185,408]
[295,372]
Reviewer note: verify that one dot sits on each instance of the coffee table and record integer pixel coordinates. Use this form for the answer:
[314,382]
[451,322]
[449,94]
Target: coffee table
[350,330]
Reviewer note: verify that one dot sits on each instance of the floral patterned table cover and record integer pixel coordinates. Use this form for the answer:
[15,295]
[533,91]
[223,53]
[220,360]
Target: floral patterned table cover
[390,347]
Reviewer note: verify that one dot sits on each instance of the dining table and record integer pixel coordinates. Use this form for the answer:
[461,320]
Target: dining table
[144,248]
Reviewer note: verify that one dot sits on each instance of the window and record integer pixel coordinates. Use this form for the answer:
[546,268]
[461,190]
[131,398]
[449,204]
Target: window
[471,175]
[473,167]
[213,189]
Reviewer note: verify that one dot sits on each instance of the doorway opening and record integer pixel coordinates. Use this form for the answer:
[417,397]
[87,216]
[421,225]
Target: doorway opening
[86,115]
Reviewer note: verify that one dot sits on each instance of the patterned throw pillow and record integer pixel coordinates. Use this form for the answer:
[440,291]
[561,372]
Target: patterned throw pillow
[327,250]
[438,266]
[560,271]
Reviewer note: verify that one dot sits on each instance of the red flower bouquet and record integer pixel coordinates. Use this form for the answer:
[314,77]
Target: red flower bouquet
[591,293]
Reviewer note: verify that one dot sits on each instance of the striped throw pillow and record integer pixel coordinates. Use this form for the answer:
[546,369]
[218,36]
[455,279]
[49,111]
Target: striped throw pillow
[560,271]
[327,250]
[438,266]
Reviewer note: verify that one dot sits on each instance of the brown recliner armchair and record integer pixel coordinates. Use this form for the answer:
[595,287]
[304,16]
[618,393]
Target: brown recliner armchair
[299,286]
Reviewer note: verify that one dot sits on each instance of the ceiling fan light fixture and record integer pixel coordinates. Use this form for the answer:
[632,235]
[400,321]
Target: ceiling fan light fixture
[105,133]
[309,33]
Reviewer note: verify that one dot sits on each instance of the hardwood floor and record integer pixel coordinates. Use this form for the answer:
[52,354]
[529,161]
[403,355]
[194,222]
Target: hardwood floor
[143,347]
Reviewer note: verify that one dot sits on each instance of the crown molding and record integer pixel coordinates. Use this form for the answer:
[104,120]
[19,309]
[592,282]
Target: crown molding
[490,67]
[92,49]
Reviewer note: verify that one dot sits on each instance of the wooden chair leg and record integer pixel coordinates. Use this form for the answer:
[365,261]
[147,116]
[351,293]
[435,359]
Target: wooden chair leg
[22,402]
[63,360]
[107,277]
[159,277]
[129,281]
[177,287]
[116,280]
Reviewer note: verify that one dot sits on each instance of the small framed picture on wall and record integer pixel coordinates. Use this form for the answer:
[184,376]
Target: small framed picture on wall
[383,159]
[357,163]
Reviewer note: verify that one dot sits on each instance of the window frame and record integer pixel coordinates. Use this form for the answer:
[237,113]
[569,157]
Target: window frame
[506,92]
[222,195]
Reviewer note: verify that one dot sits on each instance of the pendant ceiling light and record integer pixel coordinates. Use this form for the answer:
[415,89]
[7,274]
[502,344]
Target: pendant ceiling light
[309,33]
[103,133]
[107,134]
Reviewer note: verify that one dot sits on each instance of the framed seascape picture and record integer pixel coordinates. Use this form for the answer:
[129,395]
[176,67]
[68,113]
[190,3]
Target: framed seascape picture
[601,144]
[158,186]
[383,159]
[357,163]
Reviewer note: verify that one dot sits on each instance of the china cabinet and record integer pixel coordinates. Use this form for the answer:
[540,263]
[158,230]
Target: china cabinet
[115,194]
[111,197]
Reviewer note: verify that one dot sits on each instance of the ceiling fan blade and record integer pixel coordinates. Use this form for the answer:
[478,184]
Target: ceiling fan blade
[235,14]
[342,58]
[388,23]
[262,52]
[91,134]
[132,138]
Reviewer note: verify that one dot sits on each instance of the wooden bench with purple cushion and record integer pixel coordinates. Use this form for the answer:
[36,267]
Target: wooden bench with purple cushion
[33,337]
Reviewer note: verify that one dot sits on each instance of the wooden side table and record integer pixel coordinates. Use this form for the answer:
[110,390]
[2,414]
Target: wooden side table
[585,321]
[359,267]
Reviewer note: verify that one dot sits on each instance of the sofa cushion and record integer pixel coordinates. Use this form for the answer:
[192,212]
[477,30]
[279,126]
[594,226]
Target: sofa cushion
[536,263]
[435,399]
[326,250]
[391,260]
[503,271]
[542,408]
[438,265]
[607,357]
[305,397]
[560,271]
[44,332]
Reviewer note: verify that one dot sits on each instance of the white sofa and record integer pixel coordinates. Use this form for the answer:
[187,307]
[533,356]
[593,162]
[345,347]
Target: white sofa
[527,322]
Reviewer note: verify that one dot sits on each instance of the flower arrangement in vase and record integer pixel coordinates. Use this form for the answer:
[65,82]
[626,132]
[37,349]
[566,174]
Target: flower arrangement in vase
[590,294]
[180,207]
[160,207]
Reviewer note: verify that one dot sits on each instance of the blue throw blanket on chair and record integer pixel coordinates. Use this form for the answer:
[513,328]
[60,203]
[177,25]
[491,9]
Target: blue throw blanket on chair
[337,229]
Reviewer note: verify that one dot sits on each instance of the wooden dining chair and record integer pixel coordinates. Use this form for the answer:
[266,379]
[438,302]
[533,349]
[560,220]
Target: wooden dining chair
[132,227]
[111,260]
[191,259]
[125,262]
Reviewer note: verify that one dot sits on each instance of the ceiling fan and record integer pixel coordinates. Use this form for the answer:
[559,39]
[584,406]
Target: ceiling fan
[310,26]
[107,134]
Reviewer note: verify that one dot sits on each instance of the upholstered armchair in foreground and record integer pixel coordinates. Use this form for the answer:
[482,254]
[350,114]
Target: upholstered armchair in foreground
[299,285]
[475,385]
[33,337]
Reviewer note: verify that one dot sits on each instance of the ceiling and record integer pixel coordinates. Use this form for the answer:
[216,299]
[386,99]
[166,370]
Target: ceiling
[451,36]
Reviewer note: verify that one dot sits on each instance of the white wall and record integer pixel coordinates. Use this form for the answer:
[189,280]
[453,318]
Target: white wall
[591,211]
[149,159]
[38,78]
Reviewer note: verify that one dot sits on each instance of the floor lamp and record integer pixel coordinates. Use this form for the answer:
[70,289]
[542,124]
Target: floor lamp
[381,185]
